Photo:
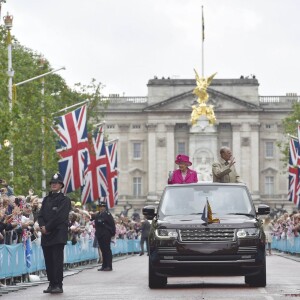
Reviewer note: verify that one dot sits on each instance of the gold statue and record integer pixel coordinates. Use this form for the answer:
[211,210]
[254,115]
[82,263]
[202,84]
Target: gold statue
[202,109]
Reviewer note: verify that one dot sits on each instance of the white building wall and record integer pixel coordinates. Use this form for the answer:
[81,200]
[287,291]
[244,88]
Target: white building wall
[246,135]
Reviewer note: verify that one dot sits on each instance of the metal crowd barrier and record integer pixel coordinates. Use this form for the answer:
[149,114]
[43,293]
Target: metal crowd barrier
[290,245]
[13,257]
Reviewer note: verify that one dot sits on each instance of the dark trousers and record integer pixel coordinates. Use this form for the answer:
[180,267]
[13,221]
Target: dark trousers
[104,244]
[54,261]
[143,240]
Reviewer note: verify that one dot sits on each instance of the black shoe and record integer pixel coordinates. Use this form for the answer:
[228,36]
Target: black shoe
[107,269]
[101,269]
[48,290]
[56,290]
[141,253]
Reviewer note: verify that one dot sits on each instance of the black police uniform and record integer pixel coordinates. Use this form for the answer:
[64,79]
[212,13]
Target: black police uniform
[54,215]
[105,230]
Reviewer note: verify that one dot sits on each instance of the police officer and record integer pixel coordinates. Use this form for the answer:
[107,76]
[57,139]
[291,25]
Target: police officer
[53,222]
[105,230]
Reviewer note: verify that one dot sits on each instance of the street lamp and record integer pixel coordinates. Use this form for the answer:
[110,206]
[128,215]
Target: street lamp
[43,119]
[6,143]
[8,21]
[1,1]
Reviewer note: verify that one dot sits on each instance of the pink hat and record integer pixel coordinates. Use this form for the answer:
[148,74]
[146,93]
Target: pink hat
[181,158]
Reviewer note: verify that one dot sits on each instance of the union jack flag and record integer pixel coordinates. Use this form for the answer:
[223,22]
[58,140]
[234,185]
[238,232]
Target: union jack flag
[294,171]
[72,147]
[298,159]
[112,174]
[95,182]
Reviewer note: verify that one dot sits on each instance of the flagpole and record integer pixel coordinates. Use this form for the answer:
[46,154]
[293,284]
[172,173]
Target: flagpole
[66,108]
[99,124]
[111,141]
[39,76]
[202,43]
[291,136]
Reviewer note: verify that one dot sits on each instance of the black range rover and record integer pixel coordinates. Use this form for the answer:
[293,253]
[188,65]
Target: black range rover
[183,243]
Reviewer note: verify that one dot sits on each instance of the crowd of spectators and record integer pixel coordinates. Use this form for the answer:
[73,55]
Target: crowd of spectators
[18,220]
[286,226]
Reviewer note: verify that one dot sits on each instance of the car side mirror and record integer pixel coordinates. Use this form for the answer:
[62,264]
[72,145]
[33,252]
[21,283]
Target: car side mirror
[149,212]
[263,209]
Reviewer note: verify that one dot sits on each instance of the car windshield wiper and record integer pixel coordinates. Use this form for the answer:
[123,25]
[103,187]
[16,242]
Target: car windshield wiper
[242,214]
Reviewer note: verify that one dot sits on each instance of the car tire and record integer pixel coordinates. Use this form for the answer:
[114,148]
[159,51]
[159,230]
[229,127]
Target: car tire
[258,280]
[155,281]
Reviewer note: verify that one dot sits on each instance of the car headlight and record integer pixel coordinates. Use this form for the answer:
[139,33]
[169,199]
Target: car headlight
[166,233]
[247,233]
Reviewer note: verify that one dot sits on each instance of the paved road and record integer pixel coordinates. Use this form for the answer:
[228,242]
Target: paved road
[129,281]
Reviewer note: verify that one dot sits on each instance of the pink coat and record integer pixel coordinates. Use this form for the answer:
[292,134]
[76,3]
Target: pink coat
[191,177]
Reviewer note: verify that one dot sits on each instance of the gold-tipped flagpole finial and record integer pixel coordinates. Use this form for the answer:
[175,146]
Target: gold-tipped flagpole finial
[202,109]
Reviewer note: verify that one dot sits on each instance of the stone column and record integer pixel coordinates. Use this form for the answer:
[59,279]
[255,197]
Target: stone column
[152,172]
[236,146]
[124,186]
[123,142]
[170,153]
[255,158]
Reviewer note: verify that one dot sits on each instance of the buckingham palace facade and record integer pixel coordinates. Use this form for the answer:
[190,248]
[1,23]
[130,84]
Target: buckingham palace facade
[152,130]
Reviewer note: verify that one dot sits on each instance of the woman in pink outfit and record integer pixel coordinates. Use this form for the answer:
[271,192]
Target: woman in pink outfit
[183,174]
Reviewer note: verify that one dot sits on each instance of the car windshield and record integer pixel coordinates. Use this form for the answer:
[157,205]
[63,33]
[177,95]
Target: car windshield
[191,199]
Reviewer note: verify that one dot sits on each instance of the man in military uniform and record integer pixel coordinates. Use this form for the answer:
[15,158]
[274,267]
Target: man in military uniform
[53,221]
[105,230]
[224,170]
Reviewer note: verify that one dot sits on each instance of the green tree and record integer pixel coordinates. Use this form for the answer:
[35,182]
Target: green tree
[290,126]
[28,125]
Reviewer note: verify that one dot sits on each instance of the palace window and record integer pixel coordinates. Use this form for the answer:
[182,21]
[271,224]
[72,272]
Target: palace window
[225,126]
[137,186]
[181,148]
[137,150]
[136,126]
[225,144]
[269,149]
[269,185]
[181,126]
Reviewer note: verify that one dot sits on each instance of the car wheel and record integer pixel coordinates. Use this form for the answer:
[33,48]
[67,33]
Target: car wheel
[258,280]
[155,281]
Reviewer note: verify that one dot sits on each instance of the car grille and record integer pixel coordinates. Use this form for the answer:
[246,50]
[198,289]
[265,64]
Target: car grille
[168,250]
[206,234]
[247,249]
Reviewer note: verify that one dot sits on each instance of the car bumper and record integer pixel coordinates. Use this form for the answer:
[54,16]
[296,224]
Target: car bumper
[212,260]
[238,267]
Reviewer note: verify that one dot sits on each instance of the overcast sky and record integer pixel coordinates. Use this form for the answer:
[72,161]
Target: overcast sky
[124,43]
